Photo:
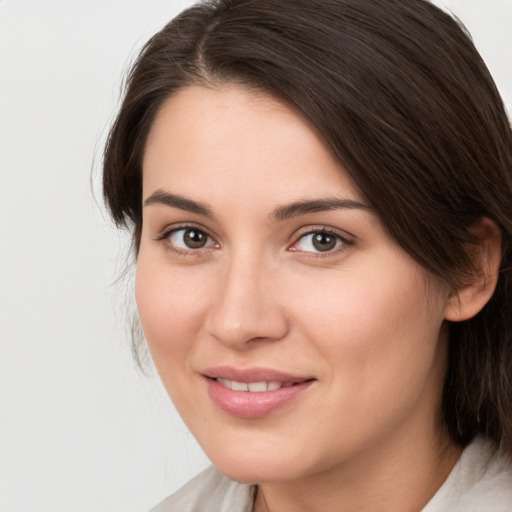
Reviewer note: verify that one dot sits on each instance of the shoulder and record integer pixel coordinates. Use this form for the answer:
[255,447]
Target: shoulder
[210,491]
[481,481]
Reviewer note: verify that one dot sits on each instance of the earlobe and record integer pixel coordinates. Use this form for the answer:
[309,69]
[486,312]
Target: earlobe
[468,300]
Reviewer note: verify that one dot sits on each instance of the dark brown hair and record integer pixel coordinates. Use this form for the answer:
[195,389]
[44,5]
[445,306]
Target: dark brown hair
[405,102]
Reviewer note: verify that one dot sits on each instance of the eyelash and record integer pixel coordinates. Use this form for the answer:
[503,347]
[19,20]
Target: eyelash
[164,237]
[342,242]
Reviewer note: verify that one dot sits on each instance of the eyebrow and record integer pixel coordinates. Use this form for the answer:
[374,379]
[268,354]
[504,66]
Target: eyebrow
[281,213]
[161,197]
[316,205]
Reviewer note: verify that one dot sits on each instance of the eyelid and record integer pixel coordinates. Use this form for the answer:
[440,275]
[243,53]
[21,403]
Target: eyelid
[169,228]
[346,238]
[164,234]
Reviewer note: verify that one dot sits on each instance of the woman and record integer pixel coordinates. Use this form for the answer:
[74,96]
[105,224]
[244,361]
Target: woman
[320,199]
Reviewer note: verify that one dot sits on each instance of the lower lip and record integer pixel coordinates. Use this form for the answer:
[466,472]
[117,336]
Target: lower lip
[251,405]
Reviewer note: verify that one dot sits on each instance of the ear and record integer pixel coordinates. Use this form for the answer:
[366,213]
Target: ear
[468,300]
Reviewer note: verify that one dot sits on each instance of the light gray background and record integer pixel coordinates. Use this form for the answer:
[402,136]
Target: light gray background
[80,429]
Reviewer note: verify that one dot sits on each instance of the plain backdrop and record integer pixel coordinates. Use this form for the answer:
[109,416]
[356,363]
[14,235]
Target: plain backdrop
[80,429]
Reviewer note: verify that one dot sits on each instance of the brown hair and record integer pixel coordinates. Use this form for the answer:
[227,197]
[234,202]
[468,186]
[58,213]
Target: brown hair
[402,97]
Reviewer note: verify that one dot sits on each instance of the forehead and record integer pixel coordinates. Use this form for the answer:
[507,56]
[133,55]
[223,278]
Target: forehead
[227,140]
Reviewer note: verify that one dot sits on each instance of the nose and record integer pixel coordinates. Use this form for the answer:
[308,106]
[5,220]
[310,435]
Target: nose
[246,307]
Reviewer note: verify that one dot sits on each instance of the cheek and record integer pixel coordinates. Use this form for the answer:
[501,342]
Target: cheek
[171,307]
[373,325]
[378,334]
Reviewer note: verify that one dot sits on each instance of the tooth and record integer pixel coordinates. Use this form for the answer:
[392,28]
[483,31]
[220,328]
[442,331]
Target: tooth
[257,386]
[225,382]
[240,386]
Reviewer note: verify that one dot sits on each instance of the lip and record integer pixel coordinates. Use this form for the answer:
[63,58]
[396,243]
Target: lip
[249,405]
[252,374]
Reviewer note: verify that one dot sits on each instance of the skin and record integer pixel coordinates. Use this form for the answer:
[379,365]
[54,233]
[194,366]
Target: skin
[363,319]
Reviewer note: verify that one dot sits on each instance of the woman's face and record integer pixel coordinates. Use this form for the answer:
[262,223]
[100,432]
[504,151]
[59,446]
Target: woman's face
[292,334]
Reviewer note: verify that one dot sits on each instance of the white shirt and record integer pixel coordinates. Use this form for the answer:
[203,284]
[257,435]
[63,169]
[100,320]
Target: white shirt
[481,481]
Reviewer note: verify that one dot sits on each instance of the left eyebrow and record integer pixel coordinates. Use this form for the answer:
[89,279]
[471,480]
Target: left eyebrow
[316,205]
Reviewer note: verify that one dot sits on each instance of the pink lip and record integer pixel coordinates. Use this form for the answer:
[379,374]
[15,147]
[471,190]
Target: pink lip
[244,404]
[252,374]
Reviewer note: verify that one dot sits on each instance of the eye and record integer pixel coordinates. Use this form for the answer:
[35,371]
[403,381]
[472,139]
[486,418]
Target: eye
[319,241]
[189,238]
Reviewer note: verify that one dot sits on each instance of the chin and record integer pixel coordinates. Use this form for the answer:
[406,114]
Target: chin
[256,468]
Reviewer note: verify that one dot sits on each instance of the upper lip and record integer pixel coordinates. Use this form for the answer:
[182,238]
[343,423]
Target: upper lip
[252,374]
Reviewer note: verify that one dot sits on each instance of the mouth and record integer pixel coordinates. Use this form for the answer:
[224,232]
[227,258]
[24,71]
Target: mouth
[255,387]
[253,393]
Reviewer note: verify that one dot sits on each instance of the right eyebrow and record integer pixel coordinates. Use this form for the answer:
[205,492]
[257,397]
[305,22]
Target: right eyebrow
[160,197]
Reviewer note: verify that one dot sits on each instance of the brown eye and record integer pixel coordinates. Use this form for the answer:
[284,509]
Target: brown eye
[324,241]
[319,241]
[194,239]
[189,238]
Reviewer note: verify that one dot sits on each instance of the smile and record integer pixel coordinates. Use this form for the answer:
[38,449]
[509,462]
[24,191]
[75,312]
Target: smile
[254,387]
[254,393]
